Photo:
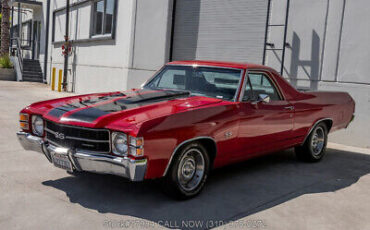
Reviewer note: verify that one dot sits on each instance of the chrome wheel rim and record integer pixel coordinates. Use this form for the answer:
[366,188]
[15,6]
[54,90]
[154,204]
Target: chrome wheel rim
[191,169]
[318,141]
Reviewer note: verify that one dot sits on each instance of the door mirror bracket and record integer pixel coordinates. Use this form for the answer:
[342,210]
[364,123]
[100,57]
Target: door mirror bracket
[262,98]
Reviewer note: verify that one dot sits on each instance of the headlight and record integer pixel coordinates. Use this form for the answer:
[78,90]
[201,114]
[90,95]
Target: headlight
[37,125]
[119,142]
[122,145]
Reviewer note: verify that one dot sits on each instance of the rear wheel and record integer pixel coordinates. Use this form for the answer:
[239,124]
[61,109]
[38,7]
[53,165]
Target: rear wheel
[188,173]
[314,148]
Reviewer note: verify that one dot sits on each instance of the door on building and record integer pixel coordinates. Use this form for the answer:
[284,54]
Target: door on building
[232,30]
[36,32]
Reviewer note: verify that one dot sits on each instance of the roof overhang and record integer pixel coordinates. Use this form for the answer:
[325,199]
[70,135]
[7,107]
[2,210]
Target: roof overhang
[28,4]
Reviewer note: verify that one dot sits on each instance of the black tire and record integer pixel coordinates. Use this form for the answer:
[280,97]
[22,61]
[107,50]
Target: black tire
[171,184]
[76,173]
[307,152]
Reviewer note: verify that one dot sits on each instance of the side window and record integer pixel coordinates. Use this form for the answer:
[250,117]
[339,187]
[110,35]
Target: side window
[248,94]
[261,84]
[172,79]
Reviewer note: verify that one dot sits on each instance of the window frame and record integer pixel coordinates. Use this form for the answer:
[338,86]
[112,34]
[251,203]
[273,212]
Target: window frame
[92,20]
[266,74]
[237,91]
[90,37]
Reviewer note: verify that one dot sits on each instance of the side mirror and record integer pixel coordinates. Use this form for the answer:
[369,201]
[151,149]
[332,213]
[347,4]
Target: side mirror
[262,98]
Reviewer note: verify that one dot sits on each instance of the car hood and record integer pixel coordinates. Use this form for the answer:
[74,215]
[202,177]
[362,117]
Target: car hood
[127,108]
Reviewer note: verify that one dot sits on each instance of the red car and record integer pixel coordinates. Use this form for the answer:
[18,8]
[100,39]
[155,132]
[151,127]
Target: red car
[190,117]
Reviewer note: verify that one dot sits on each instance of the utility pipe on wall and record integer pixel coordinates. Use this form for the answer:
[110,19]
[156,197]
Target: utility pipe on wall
[66,39]
[46,40]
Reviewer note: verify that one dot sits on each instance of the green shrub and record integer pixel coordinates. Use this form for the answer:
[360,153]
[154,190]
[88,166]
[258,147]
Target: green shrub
[5,62]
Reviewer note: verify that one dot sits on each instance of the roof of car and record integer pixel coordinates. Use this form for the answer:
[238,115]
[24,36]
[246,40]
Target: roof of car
[236,65]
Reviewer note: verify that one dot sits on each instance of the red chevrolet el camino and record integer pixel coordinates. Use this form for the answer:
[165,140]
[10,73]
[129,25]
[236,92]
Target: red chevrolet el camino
[190,117]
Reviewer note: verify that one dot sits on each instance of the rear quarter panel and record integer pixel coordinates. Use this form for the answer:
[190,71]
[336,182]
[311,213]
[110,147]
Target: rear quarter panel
[311,107]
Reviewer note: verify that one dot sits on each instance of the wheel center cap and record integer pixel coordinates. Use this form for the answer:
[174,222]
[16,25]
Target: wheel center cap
[188,169]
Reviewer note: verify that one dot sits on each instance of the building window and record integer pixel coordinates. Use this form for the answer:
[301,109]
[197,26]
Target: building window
[99,24]
[103,17]
[26,34]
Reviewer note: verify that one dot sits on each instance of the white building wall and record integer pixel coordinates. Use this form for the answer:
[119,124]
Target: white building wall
[150,40]
[94,66]
[140,47]
[329,51]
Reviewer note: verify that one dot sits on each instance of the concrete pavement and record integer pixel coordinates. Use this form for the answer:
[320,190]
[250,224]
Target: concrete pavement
[272,192]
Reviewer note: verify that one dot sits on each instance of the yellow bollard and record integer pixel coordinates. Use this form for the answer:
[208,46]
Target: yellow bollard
[53,80]
[60,80]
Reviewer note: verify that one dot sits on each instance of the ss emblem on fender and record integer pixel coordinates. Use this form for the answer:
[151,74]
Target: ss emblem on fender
[228,134]
[59,136]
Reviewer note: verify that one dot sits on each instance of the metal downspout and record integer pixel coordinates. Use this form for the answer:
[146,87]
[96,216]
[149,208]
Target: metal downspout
[46,53]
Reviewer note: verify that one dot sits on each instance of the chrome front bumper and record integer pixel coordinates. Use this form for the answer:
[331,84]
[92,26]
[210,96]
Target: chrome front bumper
[87,161]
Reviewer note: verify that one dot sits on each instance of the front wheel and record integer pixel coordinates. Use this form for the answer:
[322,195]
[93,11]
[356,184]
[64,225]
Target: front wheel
[188,173]
[314,148]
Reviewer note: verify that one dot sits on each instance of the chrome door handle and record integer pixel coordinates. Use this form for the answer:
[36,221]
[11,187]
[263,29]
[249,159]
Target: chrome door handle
[289,108]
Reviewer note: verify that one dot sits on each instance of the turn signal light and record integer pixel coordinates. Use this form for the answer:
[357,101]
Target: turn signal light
[24,121]
[136,146]
[136,141]
[136,152]
[23,117]
[24,125]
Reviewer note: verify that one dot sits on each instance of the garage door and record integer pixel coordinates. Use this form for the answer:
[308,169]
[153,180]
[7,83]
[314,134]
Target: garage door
[230,30]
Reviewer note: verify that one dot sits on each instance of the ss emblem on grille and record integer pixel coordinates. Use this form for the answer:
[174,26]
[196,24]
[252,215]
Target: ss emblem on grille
[59,136]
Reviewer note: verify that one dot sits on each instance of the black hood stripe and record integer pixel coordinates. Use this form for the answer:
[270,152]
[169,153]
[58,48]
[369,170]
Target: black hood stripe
[87,115]
[158,95]
[58,112]
[133,101]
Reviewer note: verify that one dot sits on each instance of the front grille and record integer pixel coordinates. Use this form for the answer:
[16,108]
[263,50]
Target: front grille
[75,137]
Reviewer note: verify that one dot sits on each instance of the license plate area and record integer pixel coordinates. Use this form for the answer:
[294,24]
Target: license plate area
[62,161]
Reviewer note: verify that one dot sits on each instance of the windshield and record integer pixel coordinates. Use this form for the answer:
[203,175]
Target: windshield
[199,81]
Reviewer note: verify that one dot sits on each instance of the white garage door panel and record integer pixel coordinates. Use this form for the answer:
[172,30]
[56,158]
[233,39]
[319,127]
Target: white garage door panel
[354,51]
[231,30]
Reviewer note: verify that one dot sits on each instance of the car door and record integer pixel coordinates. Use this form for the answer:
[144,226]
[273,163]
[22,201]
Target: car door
[265,125]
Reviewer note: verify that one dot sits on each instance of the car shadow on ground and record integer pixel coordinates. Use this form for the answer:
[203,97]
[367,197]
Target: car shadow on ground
[231,193]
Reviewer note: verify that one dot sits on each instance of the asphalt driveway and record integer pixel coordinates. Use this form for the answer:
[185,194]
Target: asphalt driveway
[272,192]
